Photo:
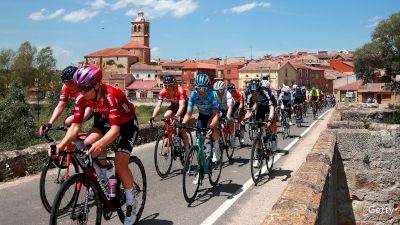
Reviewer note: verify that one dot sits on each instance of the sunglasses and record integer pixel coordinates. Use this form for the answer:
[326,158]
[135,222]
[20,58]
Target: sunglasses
[86,88]
[167,85]
[202,88]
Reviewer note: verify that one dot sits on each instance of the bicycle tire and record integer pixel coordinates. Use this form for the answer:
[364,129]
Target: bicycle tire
[256,175]
[72,181]
[187,170]
[160,154]
[140,189]
[47,198]
[230,148]
[269,157]
[182,156]
[218,168]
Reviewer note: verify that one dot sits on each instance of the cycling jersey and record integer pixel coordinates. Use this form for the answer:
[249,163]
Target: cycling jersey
[68,90]
[264,98]
[112,105]
[236,95]
[286,99]
[205,105]
[179,94]
[298,97]
[225,100]
[314,93]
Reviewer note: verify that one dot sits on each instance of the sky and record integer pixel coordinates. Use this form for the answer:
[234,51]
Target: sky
[192,29]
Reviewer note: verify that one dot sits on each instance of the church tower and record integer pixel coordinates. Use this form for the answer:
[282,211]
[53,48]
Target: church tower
[140,30]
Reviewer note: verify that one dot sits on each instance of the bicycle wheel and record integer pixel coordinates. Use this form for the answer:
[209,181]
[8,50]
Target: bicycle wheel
[256,161]
[163,155]
[191,175]
[182,156]
[140,189]
[54,174]
[230,149]
[269,156]
[215,169]
[76,213]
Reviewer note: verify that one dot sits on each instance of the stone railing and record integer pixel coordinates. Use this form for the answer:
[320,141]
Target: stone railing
[20,163]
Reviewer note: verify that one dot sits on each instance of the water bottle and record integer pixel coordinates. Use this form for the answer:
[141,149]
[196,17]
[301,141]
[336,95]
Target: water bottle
[207,149]
[112,186]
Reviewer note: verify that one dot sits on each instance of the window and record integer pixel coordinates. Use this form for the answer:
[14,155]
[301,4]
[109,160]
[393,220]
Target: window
[143,94]
[139,29]
[117,58]
[116,84]
[316,76]
[300,74]
[194,73]
[191,81]
[148,75]
[286,72]
[161,85]
[228,71]
[134,28]
[306,72]
[155,75]
[247,75]
[137,75]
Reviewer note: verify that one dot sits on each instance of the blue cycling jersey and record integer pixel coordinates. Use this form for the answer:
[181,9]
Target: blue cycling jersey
[205,105]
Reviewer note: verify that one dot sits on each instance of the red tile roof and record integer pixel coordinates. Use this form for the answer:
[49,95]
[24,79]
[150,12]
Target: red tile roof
[142,85]
[134,44]
[111,52]
[199,65]
[303,66]
[351,87]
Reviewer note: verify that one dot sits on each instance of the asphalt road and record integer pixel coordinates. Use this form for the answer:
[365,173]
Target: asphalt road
[20,200]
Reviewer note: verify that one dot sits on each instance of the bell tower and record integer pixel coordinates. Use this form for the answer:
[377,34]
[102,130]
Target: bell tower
[140,30]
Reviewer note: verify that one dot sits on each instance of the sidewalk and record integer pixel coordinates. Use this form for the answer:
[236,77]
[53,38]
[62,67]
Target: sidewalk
[257,202]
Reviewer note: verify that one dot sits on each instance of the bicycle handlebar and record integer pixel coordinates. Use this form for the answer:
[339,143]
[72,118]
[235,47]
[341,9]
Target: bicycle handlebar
[58,128]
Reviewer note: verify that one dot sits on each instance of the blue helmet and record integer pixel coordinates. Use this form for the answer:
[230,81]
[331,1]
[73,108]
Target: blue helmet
[202,80]
[255,86]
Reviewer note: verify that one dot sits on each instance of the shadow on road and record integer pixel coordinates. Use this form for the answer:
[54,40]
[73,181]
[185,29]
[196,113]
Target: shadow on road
[152,219]
[172,174]
[239,161]
[276,173]
[224,188]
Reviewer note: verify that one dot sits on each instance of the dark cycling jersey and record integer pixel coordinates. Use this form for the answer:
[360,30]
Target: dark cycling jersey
[298,97]
[112,105]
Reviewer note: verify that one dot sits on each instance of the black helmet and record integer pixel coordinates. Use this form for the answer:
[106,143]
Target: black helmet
[231,86]
[169,79]
[255,86]
[68,73]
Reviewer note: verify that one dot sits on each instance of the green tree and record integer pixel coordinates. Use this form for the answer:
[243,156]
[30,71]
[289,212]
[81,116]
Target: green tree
[17,126]
[383,52]
[23,66]
[6,61]
[45,63]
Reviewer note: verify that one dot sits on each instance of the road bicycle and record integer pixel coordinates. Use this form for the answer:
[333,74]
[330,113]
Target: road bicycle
[83,198]
[298,114]
[198,164]
[285,122]
[252,128]
[314,108]
[226,138]
[57,170]
[169,147]
[258,154]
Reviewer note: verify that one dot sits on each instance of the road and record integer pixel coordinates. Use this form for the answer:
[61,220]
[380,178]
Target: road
[235,200]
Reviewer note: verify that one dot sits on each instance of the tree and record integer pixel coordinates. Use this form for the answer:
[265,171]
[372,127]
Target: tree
[383,52]
[23,64]
[17,126]
[45,63]
[6,61]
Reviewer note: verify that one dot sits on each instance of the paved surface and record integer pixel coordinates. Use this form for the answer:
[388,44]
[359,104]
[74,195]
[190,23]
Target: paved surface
[234,201]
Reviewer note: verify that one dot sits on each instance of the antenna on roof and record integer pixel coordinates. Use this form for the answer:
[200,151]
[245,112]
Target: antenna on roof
[251,53]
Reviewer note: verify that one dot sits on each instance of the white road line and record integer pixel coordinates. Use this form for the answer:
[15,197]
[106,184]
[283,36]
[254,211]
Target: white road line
[228,203]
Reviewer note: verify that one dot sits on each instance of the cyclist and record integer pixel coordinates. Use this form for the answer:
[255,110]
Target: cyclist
[238,107]
[263,104]
[207,103]
[68,91]
[313,96]
[115,118]
[298,98]
[176,95]
[286,99]
[225,103]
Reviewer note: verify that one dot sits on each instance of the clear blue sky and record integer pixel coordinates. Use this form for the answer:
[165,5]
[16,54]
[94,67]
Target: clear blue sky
[192,28]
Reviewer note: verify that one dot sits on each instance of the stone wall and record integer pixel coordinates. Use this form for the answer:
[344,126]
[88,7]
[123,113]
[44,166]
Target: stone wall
[20,163]
[309,197]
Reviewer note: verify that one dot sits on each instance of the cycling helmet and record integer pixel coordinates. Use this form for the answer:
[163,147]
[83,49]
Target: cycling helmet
[169,79]
[87,75]
[303,88]
[285,88]
[231,87]
[294,86]
[68,73]
[254,86]
[202,80]
[313,88]
[265,83]
[219,85]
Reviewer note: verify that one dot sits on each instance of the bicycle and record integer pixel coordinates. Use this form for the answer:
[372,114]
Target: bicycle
[252,128]
[62,165]
[258,155]
[284,122]
[169,146]
[314,108]
[82,185]
[225,138]
[305,108]
[298,115]
[197,165]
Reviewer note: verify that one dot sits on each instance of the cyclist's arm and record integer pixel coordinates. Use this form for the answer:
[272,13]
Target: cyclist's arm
[71,134]
[88,113]
[57,111]
[157,108]
[229,112]
[271,112]
[181,108]
[187,117]
[214,121]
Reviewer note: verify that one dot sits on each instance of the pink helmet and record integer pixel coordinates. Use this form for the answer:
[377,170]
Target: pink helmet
[87,75]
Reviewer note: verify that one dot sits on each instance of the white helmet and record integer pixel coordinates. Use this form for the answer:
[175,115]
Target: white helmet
[294,86]
[265,83]
[285,88]
[219,85]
